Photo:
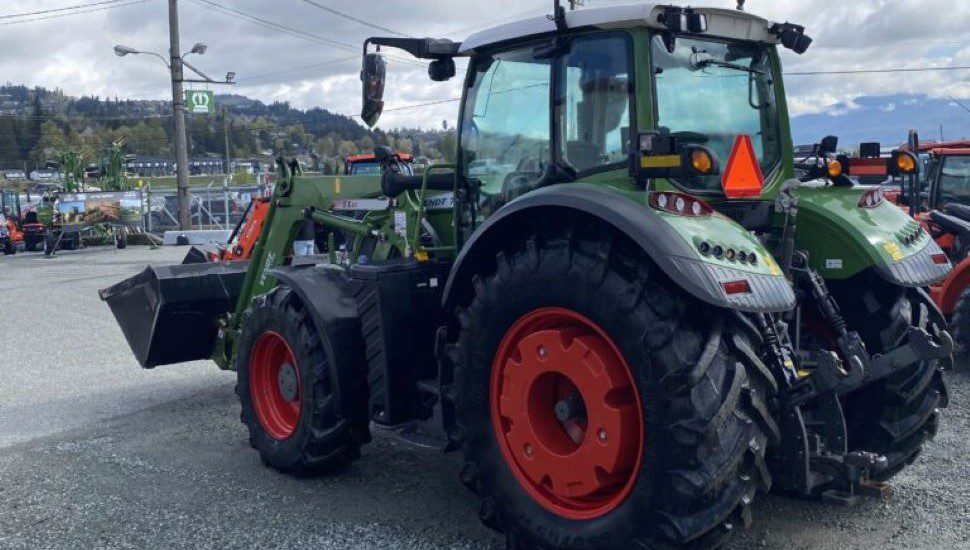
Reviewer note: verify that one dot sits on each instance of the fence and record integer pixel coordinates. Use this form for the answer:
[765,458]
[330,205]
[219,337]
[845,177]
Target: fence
[156,210]
[212,207]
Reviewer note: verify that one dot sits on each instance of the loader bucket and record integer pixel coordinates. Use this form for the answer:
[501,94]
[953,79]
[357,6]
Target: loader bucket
[170,314]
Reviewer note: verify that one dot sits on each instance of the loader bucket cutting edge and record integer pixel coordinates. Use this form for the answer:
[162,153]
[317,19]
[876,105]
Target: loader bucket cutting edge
[170,314]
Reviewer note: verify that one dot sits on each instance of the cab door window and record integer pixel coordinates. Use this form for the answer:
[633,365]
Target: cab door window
[506,127]
[593,103]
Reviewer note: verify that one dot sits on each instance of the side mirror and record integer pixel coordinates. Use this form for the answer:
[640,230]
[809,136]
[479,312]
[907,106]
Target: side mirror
[373,77]
[828,144]
[383,154]
[441,70]
[792,36]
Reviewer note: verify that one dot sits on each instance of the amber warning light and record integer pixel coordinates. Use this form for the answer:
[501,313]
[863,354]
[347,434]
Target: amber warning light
[742,177]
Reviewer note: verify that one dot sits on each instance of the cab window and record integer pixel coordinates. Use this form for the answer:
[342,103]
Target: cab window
[506,127]
[955,179]
[593,103]
[708,92]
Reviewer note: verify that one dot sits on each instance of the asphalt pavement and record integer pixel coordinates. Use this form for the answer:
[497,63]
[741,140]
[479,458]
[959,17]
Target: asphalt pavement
[98,453]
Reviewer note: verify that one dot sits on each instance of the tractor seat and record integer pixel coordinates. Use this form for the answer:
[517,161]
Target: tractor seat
[961,211]
[951,224]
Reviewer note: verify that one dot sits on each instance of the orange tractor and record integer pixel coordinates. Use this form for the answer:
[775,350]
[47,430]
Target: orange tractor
[11,234]
[241,241]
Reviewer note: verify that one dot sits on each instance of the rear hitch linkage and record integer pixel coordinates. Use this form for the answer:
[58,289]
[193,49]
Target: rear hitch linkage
[812,458]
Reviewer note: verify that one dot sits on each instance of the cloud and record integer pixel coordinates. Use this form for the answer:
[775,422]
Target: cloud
[74,53]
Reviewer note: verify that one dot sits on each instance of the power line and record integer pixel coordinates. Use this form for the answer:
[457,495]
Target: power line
[416,105]
[364,22]
[65,8]
[276,26]
[871,71]
[294,69]
[116,4]
[289,30]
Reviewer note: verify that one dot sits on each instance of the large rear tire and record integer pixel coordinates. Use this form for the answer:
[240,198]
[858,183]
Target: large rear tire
[285,385]
[895,416]
[689,457]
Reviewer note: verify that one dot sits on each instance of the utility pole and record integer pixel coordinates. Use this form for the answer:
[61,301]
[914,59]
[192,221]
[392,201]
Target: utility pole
[178,110]
[225,124]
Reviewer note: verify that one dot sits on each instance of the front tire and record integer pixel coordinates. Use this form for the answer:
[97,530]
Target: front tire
[285,386]
[695,408]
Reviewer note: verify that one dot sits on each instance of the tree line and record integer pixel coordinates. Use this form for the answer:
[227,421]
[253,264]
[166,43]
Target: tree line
[38,124]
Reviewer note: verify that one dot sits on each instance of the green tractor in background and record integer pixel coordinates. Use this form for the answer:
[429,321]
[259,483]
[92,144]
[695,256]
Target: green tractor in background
[619,305]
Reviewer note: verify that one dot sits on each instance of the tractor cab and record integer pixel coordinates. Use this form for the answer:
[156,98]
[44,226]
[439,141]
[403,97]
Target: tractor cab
[641,97]
[369,165]
[948,175]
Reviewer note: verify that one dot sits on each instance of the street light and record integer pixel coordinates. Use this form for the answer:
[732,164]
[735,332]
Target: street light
[122,51]
[176,66]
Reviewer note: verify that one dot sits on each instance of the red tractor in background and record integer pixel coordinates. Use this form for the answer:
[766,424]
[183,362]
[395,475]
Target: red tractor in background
[943,210]
[368,165]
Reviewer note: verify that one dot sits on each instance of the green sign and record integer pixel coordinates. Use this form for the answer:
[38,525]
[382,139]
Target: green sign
[200,102]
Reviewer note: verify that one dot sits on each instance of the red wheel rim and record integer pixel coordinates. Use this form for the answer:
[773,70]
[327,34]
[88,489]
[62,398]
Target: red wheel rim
[275,386]
[552,365]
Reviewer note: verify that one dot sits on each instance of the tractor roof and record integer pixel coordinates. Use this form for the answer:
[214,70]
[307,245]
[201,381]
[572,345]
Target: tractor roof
[726,23]
[951,151]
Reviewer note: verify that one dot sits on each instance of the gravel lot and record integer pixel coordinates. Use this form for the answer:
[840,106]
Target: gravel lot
[97,453]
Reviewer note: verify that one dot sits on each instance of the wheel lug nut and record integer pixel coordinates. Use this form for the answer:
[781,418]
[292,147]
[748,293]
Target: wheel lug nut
[529,451]
[543,352]
[601,434]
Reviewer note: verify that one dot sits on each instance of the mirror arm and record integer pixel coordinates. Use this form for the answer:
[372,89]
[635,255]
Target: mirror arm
[421,48]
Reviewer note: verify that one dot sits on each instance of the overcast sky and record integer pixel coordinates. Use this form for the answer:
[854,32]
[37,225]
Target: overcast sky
[317,65]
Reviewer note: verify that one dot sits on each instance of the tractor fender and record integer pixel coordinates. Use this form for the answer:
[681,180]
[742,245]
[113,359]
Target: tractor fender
[329,297]
[668,248]
[843,239]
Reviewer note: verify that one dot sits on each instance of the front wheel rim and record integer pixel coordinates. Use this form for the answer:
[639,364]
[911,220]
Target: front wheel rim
[566,413]
[275,386]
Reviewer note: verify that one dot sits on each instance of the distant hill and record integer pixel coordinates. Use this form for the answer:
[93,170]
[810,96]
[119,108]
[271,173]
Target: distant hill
[886,119]
[36,123]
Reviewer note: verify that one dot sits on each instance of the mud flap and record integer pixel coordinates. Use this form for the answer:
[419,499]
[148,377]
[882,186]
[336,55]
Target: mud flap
[170,314]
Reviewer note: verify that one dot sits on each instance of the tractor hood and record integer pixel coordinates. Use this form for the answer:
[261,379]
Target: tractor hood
[844,238]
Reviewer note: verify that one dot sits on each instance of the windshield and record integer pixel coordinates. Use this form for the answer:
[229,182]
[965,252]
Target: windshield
[708,92]
[955,179]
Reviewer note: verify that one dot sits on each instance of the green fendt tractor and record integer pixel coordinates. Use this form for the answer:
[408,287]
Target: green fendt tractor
[626,343]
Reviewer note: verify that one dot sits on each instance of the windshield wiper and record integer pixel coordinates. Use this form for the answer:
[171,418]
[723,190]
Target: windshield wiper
[703,63]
